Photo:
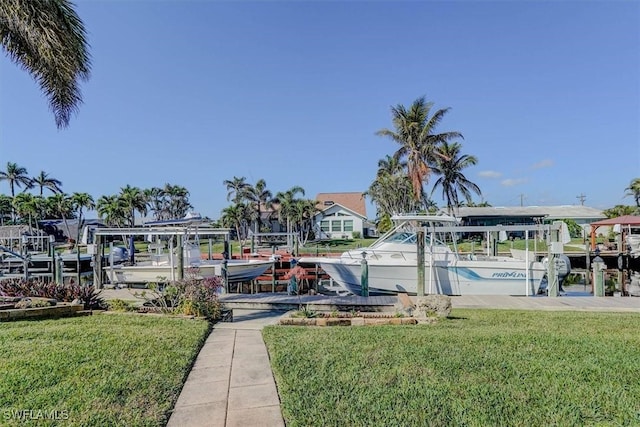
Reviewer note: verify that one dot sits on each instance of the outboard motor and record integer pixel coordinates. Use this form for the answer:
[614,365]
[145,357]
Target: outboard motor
[563,269]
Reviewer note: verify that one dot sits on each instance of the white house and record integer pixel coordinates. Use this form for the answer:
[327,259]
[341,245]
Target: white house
[341,216]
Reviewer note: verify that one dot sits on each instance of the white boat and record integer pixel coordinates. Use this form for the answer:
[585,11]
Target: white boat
[161,267]
[392,264]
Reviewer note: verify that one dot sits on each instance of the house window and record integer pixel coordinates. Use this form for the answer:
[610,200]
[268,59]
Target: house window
[348,225]
[336,225]
[324,225]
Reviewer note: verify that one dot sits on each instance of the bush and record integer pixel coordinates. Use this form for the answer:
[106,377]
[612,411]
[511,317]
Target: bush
[88,295]
[191,296]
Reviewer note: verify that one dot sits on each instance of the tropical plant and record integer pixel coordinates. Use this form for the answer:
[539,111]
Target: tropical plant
[6,207]
[392,191]
[413,131]
[236,188]
[258,196]
[43,180]
[111,209]
[237,217]
[47,38]
[285,202]
[449,166]
[619,210]
[62,207]
[16,176]
[132,200]
[27,207]
[633,190]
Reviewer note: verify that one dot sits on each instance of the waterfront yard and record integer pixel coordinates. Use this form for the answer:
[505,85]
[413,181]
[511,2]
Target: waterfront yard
[477,368]
[100,370]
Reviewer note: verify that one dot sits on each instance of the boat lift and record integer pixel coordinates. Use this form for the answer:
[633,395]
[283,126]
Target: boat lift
[180,233]
[553,233]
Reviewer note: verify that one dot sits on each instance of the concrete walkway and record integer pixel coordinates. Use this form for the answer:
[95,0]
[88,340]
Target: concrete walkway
[231,383]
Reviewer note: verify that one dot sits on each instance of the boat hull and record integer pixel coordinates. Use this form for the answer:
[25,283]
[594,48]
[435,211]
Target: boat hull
[506,276]
[237,271]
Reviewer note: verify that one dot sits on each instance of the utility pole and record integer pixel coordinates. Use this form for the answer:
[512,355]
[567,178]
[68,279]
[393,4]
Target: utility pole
[582,197]
[522,197]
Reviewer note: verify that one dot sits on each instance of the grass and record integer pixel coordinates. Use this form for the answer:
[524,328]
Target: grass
[100,370]
[477,368]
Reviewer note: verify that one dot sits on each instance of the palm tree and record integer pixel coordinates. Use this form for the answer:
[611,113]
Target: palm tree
[26,206]
[177,200]
[44,181]
[413,130]
[236,216]
[111,209]
[236,188]
[48,39]
[132,200]
[450,166]
[6,207]
[80,201]
[392,191]
[62,208]
[634,190]
[286,207]
[259,196]
[16,176]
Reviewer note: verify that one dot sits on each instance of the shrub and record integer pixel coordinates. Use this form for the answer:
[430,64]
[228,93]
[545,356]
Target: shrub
[119,305]
[88,295]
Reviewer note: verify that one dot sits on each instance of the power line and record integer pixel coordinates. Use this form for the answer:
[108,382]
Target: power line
[582,197]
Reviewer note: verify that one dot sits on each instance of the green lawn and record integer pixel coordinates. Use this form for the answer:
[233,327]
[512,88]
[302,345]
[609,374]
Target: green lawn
[101,370]
[477,368]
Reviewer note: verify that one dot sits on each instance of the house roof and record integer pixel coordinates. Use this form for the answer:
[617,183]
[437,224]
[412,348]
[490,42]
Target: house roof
[622,220]
[353,201]
[549,212]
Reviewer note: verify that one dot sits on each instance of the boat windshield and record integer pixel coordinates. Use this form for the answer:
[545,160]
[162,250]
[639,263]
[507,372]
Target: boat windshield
[409,238]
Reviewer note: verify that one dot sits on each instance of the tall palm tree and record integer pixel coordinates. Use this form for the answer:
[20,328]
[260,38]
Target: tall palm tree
[414,130]
[177,200]
[634,190]
[43,180]
[48,39]
[16,176]
[236,188]
[449,167]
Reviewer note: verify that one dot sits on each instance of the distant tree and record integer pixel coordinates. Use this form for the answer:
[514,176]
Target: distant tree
[48,40]
[6,207]
[43,180]
[177,199]
[286,200]
[112,210]
[449,166]
[26,207]
[62,207]
[633,190]
[414,131]
[236,217]
[259,196]
[16,176]
[236,189]
[619,210]
[391,191]
[132,200]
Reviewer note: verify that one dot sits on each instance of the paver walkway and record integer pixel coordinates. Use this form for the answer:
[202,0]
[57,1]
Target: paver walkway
[231,383]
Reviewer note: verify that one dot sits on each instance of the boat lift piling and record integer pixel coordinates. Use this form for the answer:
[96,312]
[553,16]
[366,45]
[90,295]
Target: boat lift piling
[420,234]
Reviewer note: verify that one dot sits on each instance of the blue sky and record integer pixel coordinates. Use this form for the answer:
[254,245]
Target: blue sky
[191,93]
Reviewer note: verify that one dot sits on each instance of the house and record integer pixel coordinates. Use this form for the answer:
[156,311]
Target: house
[342,216]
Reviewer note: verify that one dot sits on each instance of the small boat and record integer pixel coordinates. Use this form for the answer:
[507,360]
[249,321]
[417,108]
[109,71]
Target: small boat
[161,267]
[392,264]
